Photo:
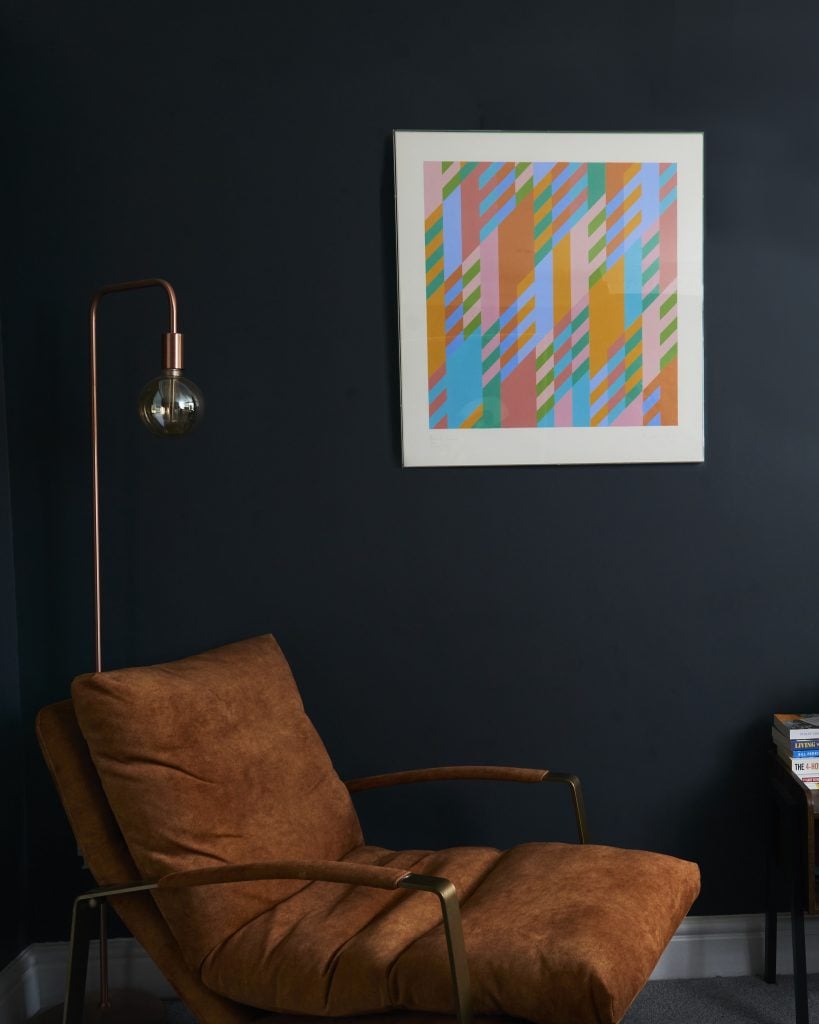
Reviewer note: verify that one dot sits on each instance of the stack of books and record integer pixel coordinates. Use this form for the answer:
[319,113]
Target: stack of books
[797,745]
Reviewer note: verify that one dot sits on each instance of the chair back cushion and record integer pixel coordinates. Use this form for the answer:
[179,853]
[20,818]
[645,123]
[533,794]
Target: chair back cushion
[66,754]
[212,760]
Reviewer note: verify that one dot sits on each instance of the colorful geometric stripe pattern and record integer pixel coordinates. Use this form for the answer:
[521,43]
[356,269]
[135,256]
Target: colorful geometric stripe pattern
[551,294]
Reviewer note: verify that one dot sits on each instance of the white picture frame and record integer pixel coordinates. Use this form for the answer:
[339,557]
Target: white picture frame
[528,189]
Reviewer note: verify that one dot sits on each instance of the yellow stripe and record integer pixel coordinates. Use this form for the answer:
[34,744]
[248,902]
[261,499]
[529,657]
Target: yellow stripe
[526,282]
[436,215]
[473,418]
[599,391]
[527,335]
[632,356]
[527,309]
[630,173]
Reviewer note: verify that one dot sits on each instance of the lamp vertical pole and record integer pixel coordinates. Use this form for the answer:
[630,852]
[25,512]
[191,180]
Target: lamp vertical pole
[176,343]
[124,286]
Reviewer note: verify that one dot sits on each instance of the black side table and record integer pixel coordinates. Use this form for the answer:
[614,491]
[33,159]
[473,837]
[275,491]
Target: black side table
[791,857]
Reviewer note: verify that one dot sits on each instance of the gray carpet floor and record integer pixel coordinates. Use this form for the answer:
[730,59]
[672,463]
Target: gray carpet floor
[705,1001]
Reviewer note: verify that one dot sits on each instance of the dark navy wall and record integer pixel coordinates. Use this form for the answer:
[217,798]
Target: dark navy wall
[11,765]
[635,623]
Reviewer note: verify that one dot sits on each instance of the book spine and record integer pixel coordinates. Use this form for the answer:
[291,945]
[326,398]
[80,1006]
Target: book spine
[802,767]
[796,748]
[798,734]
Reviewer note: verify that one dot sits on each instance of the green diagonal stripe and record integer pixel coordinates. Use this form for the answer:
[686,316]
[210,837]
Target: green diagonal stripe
[545,356]
[547,407]
[669,303]
[664,335]
[490,332]
[651,297]
[578,348]
[493,357]
[436,229]
[524,191]
[581,318]
[433,259]
[651,244]
[634,341]
[634,393]
[581,371]
[472,272]
[540,201]
[652,270]
[435,284]
[473,298]
[598,220]
[541,385]
[472,326]
[670,355]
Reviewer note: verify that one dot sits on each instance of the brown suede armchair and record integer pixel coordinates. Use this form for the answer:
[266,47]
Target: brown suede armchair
[214,824]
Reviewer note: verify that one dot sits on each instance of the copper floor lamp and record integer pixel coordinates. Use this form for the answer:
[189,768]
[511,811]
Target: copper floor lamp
[170,405]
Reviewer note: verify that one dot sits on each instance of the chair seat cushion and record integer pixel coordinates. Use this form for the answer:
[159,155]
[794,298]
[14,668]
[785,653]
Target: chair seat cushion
[554,933]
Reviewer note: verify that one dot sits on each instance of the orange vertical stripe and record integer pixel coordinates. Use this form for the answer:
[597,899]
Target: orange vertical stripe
[668,394]
[436,333]
[606,316]
[516,250]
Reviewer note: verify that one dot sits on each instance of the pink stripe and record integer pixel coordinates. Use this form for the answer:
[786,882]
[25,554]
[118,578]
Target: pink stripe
[491,373]
[668,247]
[561,352]
[617,396]
[563,411]
[669,185]
[631,416]
[453,169]
[439,401]
[518,400]
[651,336]
[433,186]
[494,180]
[567,186]
[563,377]
[652,283]
[490,289]
[615,348]
[544,370]
[579,249]
[436,375]
[490,348]
[499,203]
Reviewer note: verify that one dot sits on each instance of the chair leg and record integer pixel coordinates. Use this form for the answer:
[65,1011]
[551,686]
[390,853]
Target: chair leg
[800,974]
[82,924]
[770,902]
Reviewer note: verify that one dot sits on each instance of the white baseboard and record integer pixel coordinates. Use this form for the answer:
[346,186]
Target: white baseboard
[703,947]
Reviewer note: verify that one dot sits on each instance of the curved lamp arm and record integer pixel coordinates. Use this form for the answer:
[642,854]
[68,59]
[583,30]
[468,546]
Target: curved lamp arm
[494,773]
[172,341]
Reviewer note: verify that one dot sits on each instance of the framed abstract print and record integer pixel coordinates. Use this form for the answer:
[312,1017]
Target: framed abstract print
[550,297]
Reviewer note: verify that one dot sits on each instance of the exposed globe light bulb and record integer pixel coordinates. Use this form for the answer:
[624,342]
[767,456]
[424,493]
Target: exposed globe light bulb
[171,405]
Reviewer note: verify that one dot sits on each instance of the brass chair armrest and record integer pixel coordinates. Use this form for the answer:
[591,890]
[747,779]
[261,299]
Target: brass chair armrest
[372,875]
[497,773]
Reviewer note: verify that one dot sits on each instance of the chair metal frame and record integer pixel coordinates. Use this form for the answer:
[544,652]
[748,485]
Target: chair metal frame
[93,903]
